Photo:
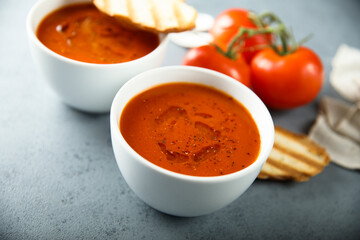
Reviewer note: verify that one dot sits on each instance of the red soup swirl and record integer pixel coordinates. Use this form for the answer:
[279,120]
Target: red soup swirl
[81,32]
[191,129]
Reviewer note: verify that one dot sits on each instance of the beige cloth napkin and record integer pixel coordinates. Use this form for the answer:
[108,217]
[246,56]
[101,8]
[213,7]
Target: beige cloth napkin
[337,128]
[345,73]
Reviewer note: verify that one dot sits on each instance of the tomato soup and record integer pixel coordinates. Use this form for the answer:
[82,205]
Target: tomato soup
[81,32]
[191,129]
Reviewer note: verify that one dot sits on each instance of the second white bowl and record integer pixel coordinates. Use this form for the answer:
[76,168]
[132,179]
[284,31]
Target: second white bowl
[84,86]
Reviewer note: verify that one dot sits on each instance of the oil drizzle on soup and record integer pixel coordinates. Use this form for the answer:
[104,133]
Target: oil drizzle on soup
[81,32]
[191,129]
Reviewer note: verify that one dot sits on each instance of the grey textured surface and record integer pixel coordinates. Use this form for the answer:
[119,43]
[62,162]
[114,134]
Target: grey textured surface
[59,178]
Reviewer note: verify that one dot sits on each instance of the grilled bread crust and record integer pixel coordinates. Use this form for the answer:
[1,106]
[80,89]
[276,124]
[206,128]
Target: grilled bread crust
[294,157]
[160,16]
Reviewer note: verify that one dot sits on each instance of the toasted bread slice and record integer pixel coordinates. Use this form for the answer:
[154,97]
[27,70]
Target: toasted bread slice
[294,157]
[161,16]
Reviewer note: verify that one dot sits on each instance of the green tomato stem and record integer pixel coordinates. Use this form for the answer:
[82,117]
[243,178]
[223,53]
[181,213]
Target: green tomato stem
[266,23]
[241,36]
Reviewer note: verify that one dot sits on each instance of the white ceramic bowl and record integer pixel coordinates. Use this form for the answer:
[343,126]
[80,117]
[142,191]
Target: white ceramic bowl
[174,193]
[85,86]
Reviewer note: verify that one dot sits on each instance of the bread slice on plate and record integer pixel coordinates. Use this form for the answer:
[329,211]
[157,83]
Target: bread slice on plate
[294,157]
[161,16]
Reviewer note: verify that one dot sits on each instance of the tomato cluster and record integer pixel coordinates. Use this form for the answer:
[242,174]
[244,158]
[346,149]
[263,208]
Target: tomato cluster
[284,75]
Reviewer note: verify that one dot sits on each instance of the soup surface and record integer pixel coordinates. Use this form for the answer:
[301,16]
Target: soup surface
[81,32]
[191,129]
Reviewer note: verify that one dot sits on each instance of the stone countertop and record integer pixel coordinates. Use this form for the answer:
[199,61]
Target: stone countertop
[59,178]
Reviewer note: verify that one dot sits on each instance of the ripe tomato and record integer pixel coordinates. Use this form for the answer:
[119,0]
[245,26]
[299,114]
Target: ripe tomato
[227,25]
[288,81]
[208,56]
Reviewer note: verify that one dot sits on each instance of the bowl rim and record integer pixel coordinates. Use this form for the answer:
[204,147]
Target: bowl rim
[163,39]
[119,139]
